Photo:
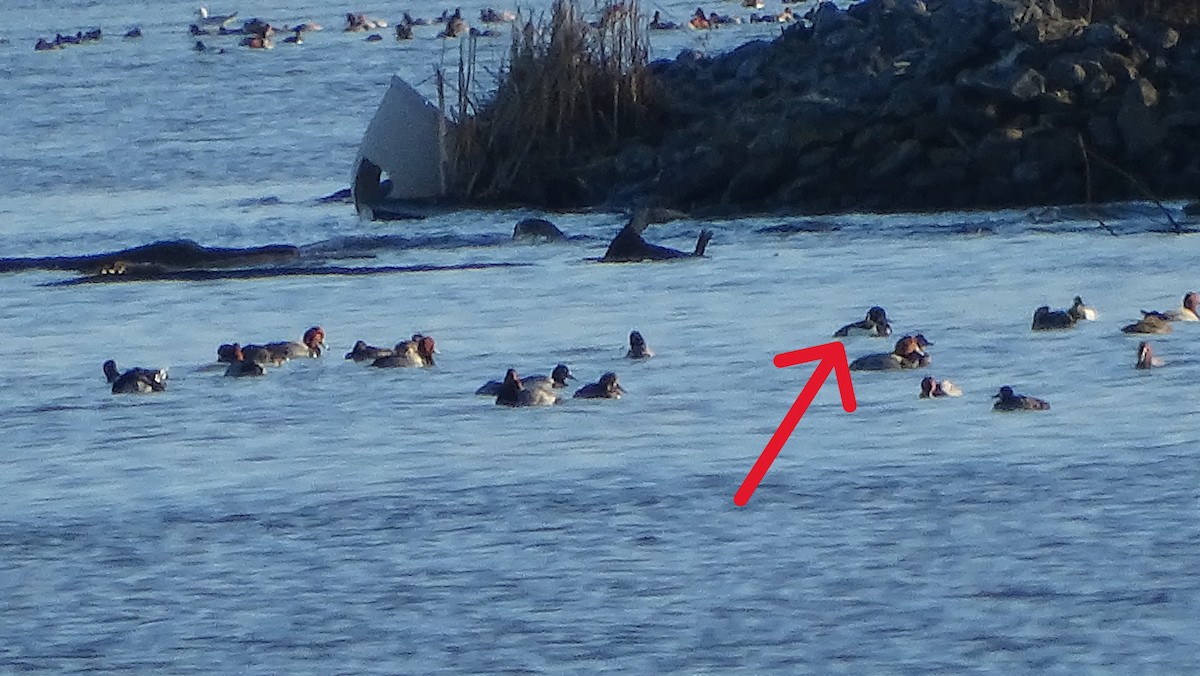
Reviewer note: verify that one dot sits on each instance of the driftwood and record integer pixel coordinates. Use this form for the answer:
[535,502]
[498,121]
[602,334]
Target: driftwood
[153,273]
[629,246]
[167,255]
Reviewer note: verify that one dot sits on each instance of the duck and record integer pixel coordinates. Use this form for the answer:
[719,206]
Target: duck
[295,38]
[455,25]
[136,380]
[1006,400]
[514,393]
[426,348]
[309,345]
[605,388]
[213,20]
[876,325]
[256,42]
[133,33]
[404,31]
[1146,358]
[932,388]
[657,23]
[1187,313]
[1045,319]
[556,380]
[637,347]
[1150,323]
[240,367]
[489,15]
[416,352]
[699,21]
[363,352]
[1082,312]
[909,353]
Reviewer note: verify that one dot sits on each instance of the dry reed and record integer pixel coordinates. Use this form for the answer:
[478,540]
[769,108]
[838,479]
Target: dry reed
[568,88]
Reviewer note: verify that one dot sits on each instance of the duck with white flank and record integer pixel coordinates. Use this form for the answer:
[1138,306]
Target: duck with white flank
[136,380]
[556,380]
[1082,312]
[932,388]
[514,393]
[876,325]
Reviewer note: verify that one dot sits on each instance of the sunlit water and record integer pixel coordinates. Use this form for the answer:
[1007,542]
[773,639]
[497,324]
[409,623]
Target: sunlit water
[332,518]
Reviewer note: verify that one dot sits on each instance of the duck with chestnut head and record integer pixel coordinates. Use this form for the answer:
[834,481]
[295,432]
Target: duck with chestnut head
[909,353]
[308,347]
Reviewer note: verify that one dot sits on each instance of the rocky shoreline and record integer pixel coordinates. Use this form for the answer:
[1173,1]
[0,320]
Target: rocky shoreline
[901,105]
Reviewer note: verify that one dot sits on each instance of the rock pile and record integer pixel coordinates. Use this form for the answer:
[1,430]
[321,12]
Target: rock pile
[918,105]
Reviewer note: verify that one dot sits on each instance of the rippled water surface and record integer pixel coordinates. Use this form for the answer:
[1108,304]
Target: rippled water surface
[332,518]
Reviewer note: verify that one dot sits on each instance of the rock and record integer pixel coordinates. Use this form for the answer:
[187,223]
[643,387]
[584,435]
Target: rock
[1138,119]
[899,159]
[1098,85]
[1064,73]
[1105,36]
[537,229]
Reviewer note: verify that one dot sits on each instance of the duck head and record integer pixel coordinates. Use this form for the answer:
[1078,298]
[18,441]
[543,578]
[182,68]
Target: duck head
[425,347]
[225,352]
[110,370]
[1004,394]
[561,374]
[314,338]
[928,385]
[906,346]
[636,342]
[609,382]
[511,379]
[1191,301]
[1145,356]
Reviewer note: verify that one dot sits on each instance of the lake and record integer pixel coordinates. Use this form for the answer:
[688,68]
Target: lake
[334,518]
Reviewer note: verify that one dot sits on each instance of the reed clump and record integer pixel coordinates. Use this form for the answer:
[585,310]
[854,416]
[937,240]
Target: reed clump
[568,90]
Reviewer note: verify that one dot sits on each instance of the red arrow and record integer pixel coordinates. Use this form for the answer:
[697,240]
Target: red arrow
[832,357]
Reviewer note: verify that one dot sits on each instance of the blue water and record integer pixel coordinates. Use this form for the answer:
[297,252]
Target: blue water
[331,518]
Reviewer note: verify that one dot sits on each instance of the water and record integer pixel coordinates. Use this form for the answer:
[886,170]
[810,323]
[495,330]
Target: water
[334,518]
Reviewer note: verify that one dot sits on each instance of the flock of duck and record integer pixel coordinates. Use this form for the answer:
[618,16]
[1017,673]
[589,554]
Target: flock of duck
[252,360]
[910,350]
[259,34]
